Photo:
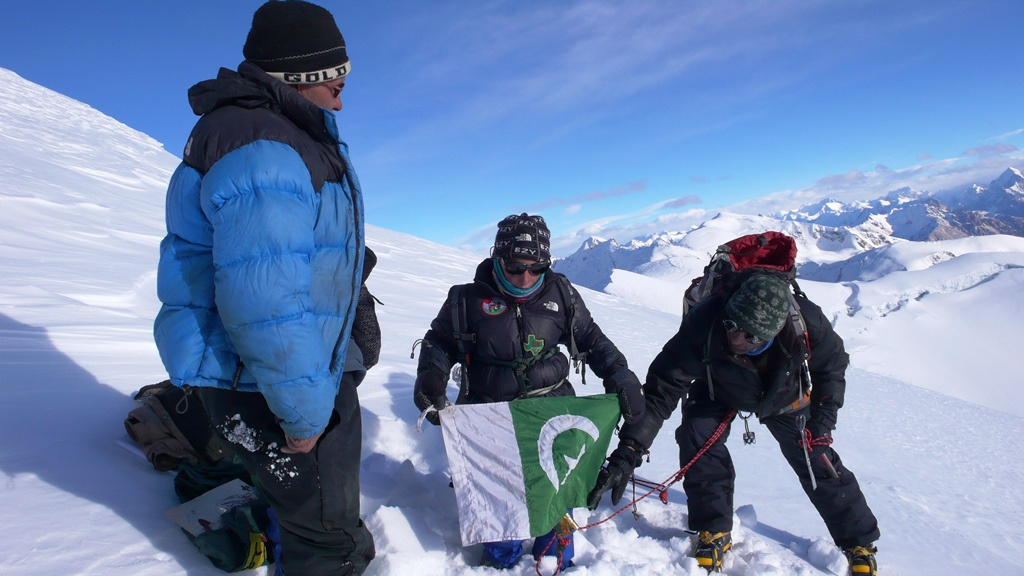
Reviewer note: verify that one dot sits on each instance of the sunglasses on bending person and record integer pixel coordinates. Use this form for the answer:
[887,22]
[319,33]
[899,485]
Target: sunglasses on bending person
[519,268]
[731,326]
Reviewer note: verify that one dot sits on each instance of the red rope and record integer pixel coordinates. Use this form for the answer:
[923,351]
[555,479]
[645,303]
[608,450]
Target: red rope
[563,543]
[662,488]
[809,442]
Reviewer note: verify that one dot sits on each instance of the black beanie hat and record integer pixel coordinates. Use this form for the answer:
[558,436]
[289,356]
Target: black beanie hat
[760,305]
[525,237]
[297,43]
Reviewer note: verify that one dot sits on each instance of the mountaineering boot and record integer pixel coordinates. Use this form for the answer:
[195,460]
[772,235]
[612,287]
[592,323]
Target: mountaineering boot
[862,560]
[711,548]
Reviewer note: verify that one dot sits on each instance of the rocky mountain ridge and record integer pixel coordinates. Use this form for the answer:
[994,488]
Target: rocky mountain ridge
[828,232]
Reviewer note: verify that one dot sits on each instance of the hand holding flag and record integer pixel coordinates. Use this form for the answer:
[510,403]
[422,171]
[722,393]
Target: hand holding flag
[615,476]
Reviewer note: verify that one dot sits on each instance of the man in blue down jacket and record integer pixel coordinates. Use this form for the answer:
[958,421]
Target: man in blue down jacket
[259,276]
[516,314]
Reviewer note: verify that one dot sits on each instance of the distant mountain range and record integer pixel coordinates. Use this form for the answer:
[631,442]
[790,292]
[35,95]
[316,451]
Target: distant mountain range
[828,232]
[972,211]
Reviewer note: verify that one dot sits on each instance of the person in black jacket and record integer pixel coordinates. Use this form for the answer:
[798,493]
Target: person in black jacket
[744,352]
[506,329]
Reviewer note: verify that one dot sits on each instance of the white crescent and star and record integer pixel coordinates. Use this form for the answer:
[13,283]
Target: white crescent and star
[545,444]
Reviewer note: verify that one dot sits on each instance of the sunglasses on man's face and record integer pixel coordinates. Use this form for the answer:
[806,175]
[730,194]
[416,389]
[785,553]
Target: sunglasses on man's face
[336,89]
[519,268]
[732,327]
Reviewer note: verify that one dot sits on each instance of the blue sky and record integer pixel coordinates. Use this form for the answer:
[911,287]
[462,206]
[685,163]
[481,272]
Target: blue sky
[610,118]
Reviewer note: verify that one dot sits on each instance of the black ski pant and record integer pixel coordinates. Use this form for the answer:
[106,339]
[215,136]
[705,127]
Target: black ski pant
[315,496]
[710,482]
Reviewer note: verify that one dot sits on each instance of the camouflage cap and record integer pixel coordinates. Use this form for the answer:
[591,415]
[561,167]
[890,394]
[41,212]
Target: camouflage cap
[760,305]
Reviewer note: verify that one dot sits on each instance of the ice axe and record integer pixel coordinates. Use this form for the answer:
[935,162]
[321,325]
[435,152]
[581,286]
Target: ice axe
[801,420]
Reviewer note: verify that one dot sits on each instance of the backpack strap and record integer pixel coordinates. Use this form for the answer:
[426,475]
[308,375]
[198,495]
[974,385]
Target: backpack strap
[460,327]
[569,296]
[707,364]
[796,318]
[461,334]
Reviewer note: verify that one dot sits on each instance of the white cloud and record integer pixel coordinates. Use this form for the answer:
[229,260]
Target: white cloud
[1009,134]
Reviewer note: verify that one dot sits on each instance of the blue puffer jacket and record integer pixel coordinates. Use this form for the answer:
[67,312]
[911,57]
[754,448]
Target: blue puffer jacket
[261,266]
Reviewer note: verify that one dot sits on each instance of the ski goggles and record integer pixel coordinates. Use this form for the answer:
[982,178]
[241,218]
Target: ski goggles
[520,268]
[731,327]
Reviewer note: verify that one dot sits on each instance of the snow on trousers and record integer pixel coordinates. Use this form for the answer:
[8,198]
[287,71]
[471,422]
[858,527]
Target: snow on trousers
[710,482]
[315,496]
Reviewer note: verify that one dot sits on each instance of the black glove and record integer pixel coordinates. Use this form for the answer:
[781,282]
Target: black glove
[822,421]
[631,396]
[615,474]
[434,405]
[814,443]
[816,436]
[429,402]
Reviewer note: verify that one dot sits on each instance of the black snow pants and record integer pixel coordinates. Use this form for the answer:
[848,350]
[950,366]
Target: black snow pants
[315,495]
[709,484]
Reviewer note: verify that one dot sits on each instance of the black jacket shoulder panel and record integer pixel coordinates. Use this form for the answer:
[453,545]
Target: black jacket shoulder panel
[238,110]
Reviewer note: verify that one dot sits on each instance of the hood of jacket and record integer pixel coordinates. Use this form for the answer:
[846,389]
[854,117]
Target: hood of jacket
[251,87]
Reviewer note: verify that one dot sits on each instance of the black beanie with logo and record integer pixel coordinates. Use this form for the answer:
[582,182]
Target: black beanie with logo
[296,42]
[525,237]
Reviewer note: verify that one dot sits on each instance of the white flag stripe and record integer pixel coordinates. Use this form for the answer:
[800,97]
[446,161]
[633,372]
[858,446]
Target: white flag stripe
[489,497]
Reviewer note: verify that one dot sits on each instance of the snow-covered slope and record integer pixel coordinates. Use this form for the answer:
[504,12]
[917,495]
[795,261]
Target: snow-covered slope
[78,249]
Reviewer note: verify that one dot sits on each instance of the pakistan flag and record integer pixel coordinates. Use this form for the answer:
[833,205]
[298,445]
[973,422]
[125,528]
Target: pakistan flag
[518,466]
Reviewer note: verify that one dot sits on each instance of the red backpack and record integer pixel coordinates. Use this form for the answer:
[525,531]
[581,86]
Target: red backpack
[733,262]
